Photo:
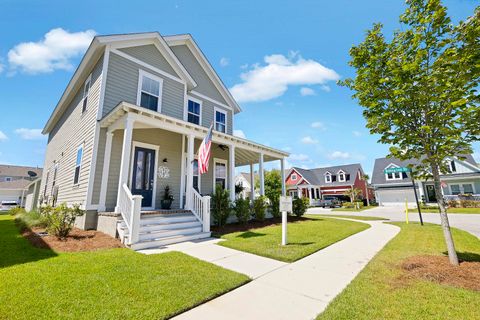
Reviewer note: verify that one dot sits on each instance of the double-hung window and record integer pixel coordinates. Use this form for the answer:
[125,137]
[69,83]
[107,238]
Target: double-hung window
[220,174]
[194,110]
[8,179]
[78,165]
[149,93]
[293,177]
[86,90]
[328,178]
[220,120]
[54,177]
[341,176]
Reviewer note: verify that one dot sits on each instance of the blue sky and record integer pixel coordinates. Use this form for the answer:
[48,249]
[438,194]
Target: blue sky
[281,58]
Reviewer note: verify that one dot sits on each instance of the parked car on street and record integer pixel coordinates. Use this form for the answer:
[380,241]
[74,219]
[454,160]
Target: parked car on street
[6,205]
[330,202]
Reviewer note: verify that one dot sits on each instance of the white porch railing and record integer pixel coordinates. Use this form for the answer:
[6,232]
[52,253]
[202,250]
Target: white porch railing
[129,206]
[201,208]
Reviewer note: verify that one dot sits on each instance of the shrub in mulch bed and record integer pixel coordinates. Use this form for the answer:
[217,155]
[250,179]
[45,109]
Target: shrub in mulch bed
[438,269]
[77,240]
[252,224]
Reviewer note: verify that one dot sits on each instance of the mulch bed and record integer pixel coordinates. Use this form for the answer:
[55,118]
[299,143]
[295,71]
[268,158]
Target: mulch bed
[78,240]
[438,269]
[253,224]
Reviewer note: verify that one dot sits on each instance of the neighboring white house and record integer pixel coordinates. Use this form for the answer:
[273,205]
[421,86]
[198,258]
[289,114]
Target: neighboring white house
[15,182]
[244,180]
[129,124]
[394,189]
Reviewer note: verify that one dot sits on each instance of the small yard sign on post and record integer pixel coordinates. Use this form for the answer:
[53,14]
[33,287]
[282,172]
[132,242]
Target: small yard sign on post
[406,169]
[285,206]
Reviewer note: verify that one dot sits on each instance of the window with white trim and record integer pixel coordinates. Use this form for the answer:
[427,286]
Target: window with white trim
[220,120]
[86,90]
[8,179]
[293,177]
[54,177]
[220,173]
[464,188]
[451,166]
[341,176]
[328,178]
[78,165]
[149,93]
[194,110]
[46,184]
[393,175]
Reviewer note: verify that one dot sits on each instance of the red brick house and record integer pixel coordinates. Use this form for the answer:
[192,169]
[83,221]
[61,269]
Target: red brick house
[317,183]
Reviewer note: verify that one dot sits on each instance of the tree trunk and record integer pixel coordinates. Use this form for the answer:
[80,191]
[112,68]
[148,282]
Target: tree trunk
[452,254]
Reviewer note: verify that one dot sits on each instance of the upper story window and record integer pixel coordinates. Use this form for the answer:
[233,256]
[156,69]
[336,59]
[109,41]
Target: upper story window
[8,179]
[78,165]
[220,120]
[194,111]
[393,175]
[293,177]
[328,177]
[341,176]
[149,93]
[86,90]
[54,177]
[46,184]
[451,166]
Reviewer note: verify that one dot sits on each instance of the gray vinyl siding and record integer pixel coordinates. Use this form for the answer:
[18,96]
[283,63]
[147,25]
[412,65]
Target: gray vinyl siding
[122,85]
[208,113]
[204,84]
[72,130]
[151,55]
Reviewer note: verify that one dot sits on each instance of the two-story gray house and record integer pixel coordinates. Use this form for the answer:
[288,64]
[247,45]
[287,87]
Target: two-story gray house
[393,189]
[129,124]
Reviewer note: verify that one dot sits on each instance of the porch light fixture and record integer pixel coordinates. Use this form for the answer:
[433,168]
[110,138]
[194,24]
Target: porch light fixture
[223,147]
[165,160]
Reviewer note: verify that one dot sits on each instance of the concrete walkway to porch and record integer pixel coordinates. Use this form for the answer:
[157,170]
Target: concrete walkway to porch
[300,290]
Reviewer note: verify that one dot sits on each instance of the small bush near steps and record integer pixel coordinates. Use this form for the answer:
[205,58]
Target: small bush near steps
[299,206]
[60,219]
[221,206]
[259,207]
[242,210]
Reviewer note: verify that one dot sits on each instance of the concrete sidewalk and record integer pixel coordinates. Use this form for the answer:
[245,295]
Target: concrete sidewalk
[207,249]
[300,290]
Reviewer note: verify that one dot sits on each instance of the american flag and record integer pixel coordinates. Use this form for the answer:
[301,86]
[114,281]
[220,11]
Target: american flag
[204,152]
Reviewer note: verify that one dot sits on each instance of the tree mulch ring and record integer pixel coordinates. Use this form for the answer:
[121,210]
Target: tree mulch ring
[439,269]
[78,240]
[252,224]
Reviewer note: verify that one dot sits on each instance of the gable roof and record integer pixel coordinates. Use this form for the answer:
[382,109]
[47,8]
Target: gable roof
[317,176]
[187,39]
[95,51]
[378,176]
[18,171]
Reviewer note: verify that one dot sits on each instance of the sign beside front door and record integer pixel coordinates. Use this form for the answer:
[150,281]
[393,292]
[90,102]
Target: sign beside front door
[144,174]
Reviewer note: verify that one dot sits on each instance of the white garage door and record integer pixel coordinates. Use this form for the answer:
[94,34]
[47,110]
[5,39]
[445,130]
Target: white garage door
[395,197]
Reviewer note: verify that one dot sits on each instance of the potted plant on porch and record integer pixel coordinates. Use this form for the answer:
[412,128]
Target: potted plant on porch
[167,200]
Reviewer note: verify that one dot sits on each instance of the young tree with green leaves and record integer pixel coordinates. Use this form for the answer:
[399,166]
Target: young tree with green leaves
[365,178]
[420,90]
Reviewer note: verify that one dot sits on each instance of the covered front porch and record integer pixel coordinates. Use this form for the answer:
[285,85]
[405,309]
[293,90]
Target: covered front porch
[145,151]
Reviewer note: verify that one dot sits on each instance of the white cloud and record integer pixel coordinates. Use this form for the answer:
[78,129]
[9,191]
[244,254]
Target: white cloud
[30,134]
[265,82]
[339,155]
[239,133]
[309,140]
[2,66]
[305,91]
[3,136]
[356,133]
[287,149]
[325,88]
[53,52]
[318,125]
[299,157]
[224,62]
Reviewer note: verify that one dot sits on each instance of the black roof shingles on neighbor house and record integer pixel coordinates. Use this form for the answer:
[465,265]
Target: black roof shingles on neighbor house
[317,176]
[379,178]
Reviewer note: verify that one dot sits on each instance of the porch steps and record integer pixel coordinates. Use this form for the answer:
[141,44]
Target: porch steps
[157,230]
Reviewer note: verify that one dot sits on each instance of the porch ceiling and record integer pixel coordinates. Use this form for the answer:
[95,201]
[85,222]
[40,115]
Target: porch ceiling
[245,151]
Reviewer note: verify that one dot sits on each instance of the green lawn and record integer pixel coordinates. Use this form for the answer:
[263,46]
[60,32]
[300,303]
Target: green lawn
[364,218]
[450,210]
[353,209]
[304,237]
[376,294]
[106,284]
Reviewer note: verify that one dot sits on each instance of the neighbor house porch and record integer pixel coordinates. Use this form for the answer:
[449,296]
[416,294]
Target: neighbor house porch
[145,151]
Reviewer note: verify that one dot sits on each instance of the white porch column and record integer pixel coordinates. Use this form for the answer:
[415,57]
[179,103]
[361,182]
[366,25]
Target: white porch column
[125,160]
[252,182]
[300,192]
[231,151]
[261,173]
[182,171]
[282,174]
[105,172]
[190,159]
